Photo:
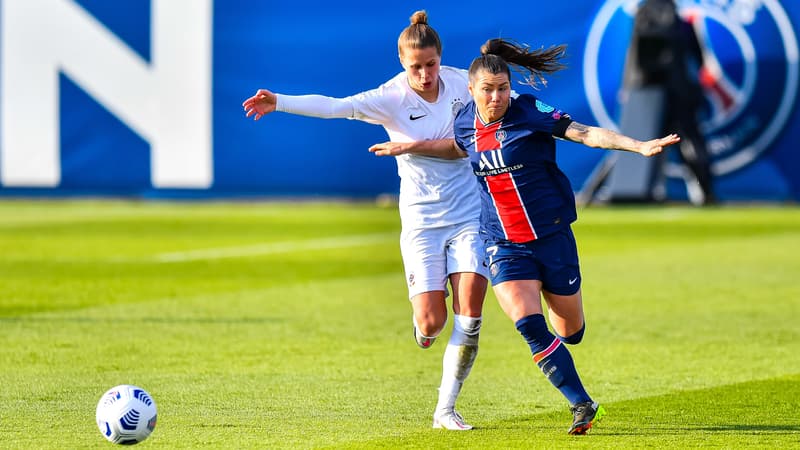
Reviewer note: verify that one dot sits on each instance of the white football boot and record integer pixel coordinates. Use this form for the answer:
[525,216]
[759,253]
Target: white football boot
[450,420]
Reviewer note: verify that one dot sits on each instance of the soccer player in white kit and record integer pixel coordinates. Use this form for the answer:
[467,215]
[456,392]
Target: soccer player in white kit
[439,196]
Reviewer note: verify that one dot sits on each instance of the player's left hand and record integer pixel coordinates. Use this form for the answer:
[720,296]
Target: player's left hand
[655,146]
[390,148]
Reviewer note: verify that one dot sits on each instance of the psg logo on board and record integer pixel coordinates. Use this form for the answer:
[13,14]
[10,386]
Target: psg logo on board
[749,77]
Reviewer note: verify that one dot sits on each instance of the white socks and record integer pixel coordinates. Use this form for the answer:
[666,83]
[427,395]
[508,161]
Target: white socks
[458,359]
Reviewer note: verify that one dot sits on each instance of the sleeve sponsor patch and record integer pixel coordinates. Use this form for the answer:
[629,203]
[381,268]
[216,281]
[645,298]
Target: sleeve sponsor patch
[544,107]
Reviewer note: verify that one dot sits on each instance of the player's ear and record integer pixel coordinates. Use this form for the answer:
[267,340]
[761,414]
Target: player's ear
[469,86]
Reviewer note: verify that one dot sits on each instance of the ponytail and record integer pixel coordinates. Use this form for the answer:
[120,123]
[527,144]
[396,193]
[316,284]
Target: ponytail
[498,54]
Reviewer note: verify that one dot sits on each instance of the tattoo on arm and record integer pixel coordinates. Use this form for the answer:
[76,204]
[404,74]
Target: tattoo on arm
[576,132]
[599,137]
[577,126]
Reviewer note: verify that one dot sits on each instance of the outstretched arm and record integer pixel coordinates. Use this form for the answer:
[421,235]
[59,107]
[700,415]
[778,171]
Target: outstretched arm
[608,139]
[265,102]
[437,148]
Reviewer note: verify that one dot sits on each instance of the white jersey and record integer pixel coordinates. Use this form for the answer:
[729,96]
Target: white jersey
[434,192]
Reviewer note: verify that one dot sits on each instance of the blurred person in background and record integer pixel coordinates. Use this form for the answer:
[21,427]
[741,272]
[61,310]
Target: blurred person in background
[665,54]
[439,204]
[528,207]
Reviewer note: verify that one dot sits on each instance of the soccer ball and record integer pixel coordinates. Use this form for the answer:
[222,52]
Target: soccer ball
[126,414]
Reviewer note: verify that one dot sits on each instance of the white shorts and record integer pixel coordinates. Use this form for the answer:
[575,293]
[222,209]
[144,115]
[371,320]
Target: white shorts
[431,255]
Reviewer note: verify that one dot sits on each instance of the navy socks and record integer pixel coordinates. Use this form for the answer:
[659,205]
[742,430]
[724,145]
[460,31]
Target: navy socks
[552,357]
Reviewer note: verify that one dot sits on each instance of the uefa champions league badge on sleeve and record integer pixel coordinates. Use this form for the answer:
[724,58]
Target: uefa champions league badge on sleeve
[547,109]
[749,77]
[543,107]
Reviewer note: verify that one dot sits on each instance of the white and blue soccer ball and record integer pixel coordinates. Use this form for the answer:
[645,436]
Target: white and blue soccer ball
[126,414]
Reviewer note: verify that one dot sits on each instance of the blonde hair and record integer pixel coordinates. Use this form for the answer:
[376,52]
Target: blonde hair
[419,34]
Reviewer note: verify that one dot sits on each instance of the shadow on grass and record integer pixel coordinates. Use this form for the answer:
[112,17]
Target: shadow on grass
[756,414]
[754,428]
[763,407]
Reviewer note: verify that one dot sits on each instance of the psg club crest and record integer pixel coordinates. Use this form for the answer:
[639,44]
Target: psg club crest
[750,73]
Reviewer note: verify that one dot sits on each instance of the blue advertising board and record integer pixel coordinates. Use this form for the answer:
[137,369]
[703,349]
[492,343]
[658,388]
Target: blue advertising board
[143,98]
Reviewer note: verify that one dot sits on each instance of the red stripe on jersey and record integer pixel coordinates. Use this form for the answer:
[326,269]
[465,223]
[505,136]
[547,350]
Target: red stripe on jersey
[486,136]
[502,188]
[510,209]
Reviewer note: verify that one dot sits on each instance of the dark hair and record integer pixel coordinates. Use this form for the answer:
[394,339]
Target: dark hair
[497,54]
[419,34]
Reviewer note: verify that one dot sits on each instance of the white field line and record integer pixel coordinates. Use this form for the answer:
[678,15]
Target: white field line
[274,247]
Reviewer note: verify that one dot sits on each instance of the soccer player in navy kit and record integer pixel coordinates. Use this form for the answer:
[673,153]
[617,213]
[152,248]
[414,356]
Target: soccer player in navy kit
[528,206]
[439,204]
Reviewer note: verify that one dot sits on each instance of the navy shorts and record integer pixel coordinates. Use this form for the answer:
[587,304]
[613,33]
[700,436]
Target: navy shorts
[553,260]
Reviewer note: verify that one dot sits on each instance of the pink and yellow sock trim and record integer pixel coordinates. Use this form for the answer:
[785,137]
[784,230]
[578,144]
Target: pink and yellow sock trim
[546,352]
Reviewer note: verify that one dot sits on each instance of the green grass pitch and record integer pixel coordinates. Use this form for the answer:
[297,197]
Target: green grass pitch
[286,325]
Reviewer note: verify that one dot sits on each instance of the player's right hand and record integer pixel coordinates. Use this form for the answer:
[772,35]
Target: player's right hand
[261,104]
[389,148]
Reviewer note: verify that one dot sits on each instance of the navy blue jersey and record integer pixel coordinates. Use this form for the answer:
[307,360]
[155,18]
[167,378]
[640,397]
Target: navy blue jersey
[524,195]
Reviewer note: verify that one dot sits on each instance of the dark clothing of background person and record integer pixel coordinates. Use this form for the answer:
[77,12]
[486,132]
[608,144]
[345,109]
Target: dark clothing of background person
[665,52]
